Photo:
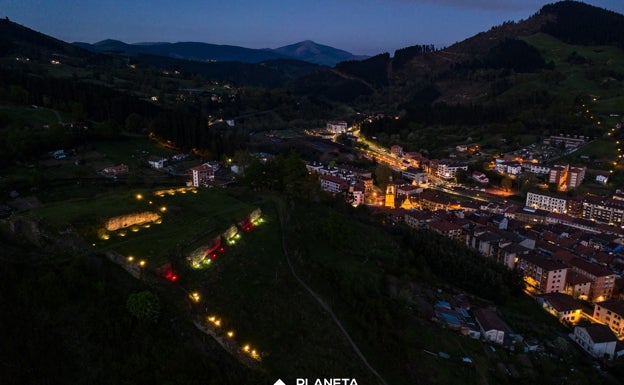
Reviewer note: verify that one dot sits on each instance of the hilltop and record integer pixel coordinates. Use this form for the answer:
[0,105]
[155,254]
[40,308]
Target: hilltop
[317,53]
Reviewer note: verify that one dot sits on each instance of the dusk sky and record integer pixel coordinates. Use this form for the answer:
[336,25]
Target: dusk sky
[359,26]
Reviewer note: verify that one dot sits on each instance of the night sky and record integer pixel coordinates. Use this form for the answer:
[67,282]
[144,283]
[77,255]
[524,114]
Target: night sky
[359,26]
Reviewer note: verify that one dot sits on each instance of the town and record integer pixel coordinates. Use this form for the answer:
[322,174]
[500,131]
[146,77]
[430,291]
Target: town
[192,212]
[568,249]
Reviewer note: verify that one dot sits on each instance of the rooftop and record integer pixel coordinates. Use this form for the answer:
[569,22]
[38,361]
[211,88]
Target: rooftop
[590,268]
[489,320]
[599,333]
[561,302]
[615,305]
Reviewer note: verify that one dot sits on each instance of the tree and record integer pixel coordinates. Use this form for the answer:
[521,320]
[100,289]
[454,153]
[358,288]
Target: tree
[526,182]
[506,183]
[461,176]
[144,305]
[134,122]
[294,174]
[382,175]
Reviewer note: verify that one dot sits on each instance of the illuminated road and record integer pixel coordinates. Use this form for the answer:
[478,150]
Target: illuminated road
[383,156]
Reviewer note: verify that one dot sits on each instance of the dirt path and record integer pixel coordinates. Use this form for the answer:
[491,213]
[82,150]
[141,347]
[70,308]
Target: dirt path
[283,218]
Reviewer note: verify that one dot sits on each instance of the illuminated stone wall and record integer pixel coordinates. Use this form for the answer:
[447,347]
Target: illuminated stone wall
[255,214]
[198,255]
[124,221]
[230,232]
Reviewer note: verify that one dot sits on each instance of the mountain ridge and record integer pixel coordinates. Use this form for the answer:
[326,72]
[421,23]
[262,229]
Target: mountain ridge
[306,50]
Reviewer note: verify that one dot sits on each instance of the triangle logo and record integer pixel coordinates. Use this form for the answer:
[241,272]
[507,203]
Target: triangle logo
[279,382]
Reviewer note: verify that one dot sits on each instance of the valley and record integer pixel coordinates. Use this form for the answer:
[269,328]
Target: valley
[440,215]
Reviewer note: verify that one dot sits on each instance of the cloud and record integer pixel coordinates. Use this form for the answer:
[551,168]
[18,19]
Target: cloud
[484,5]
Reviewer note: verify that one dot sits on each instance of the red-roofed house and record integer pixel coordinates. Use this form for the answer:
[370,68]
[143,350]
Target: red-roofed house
[562,306]
[333,184]
[446,228]
[114,170]
[602,279]
[201,175]
[418,219]
[577,285]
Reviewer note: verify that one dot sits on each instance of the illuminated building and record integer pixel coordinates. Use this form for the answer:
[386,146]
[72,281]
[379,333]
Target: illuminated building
[558,176]
[545,274]
[562,306]
[446,168]
[602,279]
[415,174]
[611,313]
[605,210]
[547,201]
[201,175]
[390,194]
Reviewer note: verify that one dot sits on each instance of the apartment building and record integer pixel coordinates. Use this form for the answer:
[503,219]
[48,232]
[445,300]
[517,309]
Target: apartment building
[611,313]
[554,203]
[544,274]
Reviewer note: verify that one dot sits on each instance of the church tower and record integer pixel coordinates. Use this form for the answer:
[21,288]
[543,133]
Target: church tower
[390,194]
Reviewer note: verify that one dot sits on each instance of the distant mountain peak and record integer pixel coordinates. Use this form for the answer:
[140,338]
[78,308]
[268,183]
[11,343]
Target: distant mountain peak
[313,52]
[108,42]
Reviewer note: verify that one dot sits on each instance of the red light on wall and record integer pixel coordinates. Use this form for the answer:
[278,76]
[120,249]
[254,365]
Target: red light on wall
[171,276]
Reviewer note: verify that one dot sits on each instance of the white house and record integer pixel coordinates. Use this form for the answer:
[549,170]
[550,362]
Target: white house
[336,127]
[415,174]
[513,168]
[157,163]
[493,328]
[536,168]
[596,339]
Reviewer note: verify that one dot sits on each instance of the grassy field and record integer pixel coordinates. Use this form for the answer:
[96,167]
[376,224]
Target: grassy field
[32,116]
[581,79]
[188,220]
[601,153]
